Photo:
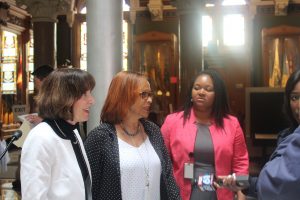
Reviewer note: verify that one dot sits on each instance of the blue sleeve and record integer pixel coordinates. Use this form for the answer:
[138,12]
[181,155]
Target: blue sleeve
[280,177]
[283,134]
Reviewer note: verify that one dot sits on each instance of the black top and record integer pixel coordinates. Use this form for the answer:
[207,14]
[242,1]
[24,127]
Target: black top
[103,152]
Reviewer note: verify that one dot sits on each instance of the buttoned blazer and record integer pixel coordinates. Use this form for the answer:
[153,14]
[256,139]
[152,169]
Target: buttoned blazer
[103,153]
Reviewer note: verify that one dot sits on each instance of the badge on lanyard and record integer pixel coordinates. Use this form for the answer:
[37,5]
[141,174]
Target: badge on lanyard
[189,170]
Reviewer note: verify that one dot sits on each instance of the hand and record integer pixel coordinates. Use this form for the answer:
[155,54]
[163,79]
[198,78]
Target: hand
[228,182]
[34,119]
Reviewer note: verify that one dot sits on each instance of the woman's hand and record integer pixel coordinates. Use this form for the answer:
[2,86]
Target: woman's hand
[34,119]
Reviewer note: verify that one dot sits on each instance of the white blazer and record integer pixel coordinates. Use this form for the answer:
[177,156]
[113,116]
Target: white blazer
[49,168]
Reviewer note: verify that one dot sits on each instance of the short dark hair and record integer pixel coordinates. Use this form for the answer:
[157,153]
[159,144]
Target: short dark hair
[122,93]
[220,108]
[289,87]
[42,71]
[60,90]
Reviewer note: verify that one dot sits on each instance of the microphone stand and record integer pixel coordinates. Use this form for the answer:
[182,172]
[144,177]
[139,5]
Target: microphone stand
[6,149]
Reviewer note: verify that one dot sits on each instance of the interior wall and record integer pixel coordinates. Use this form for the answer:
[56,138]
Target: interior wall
[266,21]
[232,63]
[144,24]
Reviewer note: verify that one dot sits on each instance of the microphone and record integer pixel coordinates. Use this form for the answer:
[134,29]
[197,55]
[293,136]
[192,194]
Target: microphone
[242,181]
[14,137]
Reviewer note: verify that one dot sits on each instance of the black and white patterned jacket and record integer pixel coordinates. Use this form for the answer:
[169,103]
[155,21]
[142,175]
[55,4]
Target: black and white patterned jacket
[103,153]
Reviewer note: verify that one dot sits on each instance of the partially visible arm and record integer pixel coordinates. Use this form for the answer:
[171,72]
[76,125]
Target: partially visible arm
[34,119]
[240,161]
[173,189]
[280,177]
[36,160]
[240,157]
[92,146]
[165,130]
[240,196]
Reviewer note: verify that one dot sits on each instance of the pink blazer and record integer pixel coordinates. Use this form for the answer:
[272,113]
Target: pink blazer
[230,149]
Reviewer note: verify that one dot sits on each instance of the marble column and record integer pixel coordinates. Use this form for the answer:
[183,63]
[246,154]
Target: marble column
[104,49]
[190,41]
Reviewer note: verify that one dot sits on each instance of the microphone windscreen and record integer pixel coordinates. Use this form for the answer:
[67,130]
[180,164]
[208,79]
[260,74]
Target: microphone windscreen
[17,134]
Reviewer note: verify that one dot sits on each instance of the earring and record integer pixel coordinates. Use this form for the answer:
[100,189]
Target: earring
[191,99]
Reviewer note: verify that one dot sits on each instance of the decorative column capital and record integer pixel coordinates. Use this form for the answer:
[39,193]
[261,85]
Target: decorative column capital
[189,6]
[281,7]
[3,13]
[47,10]
[134,5]
[156,9]
[253,8]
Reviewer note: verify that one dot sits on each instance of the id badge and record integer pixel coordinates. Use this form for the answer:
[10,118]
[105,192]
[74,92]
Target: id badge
[189,170]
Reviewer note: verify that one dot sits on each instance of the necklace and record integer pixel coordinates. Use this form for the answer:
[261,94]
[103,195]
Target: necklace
[146,168]
[64,133]
[127,132]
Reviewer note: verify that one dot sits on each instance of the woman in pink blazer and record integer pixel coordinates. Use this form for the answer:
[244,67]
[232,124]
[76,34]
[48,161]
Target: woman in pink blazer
[204,141]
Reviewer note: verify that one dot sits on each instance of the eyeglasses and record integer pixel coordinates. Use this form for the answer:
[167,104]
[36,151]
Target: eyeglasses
[146,95]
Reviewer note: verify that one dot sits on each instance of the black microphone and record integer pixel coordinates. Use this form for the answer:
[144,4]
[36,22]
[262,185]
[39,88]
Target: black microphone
[14,137]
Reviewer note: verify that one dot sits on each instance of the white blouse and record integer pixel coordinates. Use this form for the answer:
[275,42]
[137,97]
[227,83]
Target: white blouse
[135,164]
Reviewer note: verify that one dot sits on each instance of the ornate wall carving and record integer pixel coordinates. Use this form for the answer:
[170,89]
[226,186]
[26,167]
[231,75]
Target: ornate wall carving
[42,10]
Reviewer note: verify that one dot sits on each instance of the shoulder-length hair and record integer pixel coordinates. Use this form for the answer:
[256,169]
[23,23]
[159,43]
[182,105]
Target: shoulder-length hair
[60,90]
[122,93]
[220,108]
[290,85]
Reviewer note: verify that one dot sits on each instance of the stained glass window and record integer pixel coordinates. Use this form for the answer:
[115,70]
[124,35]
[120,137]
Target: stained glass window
[9,62]
[125,44]
[125,39]
[30,67]
[83,47]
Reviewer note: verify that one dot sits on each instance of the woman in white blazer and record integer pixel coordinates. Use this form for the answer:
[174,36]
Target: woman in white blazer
[54,165]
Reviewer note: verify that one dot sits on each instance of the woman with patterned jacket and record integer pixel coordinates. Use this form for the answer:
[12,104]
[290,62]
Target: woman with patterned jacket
[127,154]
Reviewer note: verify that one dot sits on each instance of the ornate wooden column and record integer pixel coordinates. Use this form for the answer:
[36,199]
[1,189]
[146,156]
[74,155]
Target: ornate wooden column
[44,18]
[190,41]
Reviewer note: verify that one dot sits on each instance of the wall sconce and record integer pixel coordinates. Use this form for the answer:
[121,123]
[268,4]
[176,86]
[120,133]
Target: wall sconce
[159,93]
